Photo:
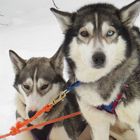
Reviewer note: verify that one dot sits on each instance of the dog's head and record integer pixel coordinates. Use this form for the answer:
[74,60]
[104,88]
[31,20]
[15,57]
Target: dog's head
[38,80]
[97,38]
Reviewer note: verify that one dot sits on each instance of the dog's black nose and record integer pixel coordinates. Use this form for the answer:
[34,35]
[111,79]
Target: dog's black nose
[98,59]
[31,113]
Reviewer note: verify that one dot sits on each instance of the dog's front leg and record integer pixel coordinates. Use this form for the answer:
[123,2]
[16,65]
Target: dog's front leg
[100,131]
[137,131]
[99,121]
[24,136]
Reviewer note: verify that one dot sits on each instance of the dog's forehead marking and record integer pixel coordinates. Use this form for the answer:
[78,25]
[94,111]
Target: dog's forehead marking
[35,77]
[41,81]
[90,27]
[29,81]
[96,20]
[105,27]
[35,73]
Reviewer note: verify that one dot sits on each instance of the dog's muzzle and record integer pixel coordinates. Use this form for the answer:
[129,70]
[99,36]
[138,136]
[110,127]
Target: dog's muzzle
[31,113]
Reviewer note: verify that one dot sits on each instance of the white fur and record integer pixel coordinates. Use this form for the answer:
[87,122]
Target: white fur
[96,19]
[64,21]
[132,12]
[20,105]
[89,27]
[127,135]
[35,102]
[98,120]
[58,133]
[82,56]
[130,114]
[24,136]
[92,97]
[105,28]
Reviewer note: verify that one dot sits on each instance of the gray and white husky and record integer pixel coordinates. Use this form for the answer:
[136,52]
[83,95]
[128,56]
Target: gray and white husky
[38,81]
[102,50]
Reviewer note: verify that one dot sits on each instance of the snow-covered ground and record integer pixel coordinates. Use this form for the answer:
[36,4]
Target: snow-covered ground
[29,28]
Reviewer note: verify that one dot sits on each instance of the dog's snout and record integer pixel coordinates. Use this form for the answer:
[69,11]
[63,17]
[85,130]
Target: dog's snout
[31,113]
[98,59]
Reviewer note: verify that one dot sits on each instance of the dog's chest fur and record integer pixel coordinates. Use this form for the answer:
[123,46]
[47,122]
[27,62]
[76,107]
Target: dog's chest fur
[130,113]
[58,133]
[92,96]
[89,97]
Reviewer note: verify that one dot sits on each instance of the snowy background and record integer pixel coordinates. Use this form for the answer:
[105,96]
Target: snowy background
[29,28]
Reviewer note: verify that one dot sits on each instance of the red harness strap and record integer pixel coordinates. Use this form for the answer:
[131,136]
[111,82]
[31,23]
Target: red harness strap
[113,105]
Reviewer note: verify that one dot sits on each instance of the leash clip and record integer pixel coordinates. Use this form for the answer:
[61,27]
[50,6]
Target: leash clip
[59,98]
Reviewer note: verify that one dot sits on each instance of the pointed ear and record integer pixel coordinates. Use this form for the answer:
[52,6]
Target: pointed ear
[65,19]
[130,12]
[57,61]
[18,62]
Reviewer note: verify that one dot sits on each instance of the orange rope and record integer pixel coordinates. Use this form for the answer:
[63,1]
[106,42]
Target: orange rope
[46,108]
[15,130]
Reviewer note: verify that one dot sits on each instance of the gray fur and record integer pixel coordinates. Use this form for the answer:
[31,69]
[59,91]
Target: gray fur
[49,69]
[127,71]
[128,67]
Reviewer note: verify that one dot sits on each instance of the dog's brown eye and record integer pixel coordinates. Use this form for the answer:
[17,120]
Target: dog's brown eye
[84,33]
[44,87]
[110,33]
[27,87]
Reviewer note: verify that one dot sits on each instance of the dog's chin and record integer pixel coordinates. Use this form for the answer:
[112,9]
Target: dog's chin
[92,73]
[96,67]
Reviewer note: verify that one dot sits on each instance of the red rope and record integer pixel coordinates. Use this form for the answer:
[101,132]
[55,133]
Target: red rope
[20,126]
[16,130]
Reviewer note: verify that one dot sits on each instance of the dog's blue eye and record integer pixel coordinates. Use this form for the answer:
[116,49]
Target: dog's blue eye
[110,33]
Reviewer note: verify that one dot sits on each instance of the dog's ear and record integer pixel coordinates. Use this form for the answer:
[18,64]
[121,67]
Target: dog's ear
[65,19]
[57,61]
[129,13]
[17,61]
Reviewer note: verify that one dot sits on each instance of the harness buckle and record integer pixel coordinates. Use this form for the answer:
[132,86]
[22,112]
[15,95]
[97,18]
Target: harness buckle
[59,98]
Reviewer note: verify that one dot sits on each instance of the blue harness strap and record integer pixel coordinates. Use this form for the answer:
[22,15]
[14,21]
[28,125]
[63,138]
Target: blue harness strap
[73,86]
[112,106]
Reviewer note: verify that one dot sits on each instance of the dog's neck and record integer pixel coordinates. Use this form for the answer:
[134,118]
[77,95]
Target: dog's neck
[119,75]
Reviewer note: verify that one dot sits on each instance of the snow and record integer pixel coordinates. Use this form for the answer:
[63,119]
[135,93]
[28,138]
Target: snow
[30,29]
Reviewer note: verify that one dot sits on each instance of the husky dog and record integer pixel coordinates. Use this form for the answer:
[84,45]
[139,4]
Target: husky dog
[102,50]
[38,81]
